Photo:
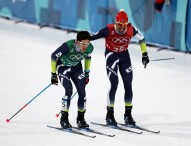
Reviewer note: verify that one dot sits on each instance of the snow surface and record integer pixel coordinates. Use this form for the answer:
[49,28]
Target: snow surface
[161,93]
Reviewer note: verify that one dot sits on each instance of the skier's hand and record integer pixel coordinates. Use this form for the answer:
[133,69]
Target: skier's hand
[86,77]
[54,79]
[145,59]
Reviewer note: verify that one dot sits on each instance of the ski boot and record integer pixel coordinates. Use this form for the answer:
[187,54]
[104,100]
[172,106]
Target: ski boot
[110,119]
[128,117]
[81,121]
[64,122]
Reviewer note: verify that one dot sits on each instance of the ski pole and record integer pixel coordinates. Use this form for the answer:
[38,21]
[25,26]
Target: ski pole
[161,59]
[8,120]
[57,115]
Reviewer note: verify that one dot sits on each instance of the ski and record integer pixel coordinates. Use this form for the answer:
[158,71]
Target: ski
[139,128]
[117,128]
[94,131]
[71,131]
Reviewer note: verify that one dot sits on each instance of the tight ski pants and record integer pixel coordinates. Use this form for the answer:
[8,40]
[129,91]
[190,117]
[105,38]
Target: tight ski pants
[119,62]
[74,73]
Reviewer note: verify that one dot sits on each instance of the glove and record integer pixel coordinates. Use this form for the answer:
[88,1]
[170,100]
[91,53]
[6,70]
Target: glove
[54,79]
[86,77]
[145,59]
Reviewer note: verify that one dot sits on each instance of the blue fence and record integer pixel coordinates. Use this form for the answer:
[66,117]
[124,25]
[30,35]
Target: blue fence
[188,26]
[171,27]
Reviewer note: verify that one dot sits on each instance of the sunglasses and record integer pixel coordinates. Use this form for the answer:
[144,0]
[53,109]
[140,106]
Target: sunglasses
[84,44]
[122,24]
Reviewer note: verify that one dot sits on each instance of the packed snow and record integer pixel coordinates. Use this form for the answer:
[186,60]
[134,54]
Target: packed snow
[161,93]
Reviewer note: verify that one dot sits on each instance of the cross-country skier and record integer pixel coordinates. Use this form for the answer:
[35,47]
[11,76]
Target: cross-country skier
[66,63]
[117,37]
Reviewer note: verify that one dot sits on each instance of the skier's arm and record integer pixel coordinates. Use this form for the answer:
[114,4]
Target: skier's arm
[142,43]
[62,50]
[103,33]
[141,39]
[87,63]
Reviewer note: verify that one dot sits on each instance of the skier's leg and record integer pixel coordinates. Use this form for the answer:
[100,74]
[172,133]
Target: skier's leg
[64,76]
[125,69]
[111,68]
[78,78]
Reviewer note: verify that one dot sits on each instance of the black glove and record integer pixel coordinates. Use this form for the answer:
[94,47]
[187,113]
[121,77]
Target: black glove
[86,77]
[145,59]
[54,79]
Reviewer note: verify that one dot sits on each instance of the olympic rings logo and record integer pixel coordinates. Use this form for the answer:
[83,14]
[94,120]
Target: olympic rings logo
[119,40]
[78,57]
